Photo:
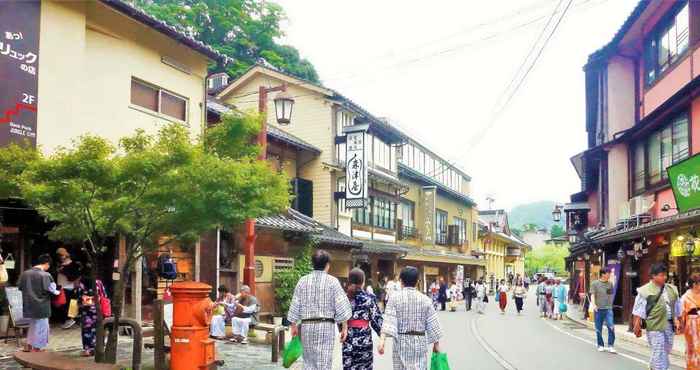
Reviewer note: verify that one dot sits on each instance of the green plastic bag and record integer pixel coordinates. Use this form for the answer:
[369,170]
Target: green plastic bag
[439,361]
[292,352]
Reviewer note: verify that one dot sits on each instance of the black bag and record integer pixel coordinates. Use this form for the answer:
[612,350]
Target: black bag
[167,268]
[486,299]
[651,304]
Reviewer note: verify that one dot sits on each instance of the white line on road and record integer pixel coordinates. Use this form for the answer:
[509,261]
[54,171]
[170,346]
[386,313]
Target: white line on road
[506,365]
[593,344]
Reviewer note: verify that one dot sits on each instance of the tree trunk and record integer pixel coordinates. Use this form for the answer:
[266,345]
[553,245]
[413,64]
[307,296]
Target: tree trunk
[117,304]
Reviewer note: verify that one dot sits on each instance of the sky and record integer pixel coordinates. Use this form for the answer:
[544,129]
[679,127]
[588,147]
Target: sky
[440,71]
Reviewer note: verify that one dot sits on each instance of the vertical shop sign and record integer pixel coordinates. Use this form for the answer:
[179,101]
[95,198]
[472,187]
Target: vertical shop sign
[19,70]
[429,193]
[355,167]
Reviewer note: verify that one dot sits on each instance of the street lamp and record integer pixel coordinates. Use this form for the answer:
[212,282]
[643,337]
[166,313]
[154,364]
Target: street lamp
[283,112]
[556,213]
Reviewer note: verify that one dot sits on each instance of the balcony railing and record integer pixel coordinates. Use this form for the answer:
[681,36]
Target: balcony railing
[408,232]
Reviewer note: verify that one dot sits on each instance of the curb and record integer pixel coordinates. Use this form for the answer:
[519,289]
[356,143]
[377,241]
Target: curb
[625,337]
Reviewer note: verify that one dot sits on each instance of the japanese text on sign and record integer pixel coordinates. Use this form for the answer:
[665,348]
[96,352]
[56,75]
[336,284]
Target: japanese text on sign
[355,170]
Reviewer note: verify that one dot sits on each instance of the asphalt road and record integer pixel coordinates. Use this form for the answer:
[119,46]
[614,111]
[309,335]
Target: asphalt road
[495,342]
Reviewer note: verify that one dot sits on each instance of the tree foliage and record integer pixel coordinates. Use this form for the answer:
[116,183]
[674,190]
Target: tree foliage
[546,258]
[150,190]
[244,30]
[556,231]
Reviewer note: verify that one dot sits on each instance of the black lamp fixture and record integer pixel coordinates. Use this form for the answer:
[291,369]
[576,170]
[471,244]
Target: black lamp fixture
[690,246]
[283,107]
[556,213]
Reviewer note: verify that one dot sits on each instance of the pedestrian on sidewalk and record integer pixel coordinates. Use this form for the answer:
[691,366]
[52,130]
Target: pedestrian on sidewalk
[87,309]
[358,348]
[657,302]
[412,323]
[503,297]
[468,292]
[690,322]
[601,300]
[37,286]
[482,298]
[549,298]
[68,273]
[541,301]
[519,294]
[442,294]
[453,296]
[318,304]
[559,299]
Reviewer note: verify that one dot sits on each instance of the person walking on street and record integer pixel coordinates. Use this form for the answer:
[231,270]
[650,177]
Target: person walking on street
[690,322]
[453,296]
[412,323]
[481,297]
[657,302]
[358,348]
[467,292]
[541,297]
[549,298]
[519,294]
[560,293]
[87,308]
[442,294]
[318,304]
[503,296]
[37,286]
[601,300]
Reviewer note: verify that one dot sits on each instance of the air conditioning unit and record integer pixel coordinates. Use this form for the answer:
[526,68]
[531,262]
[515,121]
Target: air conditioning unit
[640,205]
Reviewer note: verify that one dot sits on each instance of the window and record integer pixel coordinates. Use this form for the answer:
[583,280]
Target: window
[361,215]
[384,213]
[661,149]
[667,44]
[158,100]
[440,227]
[475,231]
[462,224]
[407,214]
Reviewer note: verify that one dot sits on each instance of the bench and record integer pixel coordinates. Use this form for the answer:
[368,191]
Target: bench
[56,361]
[277,337]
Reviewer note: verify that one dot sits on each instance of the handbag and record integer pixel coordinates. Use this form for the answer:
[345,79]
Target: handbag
[73,309]
[105,303]
[3,272]
[438,361]
[59,300]
[9,262]
[292,352]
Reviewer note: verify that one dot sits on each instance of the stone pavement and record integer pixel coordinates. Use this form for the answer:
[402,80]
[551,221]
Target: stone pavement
[622,333]
[235,356]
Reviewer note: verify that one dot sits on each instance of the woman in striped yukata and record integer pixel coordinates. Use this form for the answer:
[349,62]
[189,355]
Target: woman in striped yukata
[412,322]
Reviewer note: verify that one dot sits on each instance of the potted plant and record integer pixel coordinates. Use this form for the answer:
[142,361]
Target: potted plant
[285,282]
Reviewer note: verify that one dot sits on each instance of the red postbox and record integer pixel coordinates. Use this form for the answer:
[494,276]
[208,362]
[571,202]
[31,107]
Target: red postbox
[191,347]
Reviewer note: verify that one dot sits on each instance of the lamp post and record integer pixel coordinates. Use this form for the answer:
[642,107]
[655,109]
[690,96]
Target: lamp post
[283,112]
[556,213]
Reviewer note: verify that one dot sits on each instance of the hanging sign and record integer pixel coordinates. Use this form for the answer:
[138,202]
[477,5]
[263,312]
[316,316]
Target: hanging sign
[355,166]
[19,69]
[429,194]
[685,182]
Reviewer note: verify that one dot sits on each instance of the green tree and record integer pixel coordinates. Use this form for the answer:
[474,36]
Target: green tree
[150,190]
[547,257]
[556,231]
[285,281]
[244,30]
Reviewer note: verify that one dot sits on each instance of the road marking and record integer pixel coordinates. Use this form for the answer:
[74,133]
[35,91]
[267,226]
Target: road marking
[593,343]
[506,365]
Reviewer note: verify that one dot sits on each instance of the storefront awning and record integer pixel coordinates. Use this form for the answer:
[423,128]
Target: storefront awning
[426,255]
[657,226]
[375,247]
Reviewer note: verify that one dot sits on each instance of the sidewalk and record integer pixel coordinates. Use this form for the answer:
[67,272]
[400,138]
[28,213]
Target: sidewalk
[575,314]
[253,356]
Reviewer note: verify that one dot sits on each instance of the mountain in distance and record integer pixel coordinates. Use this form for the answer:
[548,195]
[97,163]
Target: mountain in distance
[538,213]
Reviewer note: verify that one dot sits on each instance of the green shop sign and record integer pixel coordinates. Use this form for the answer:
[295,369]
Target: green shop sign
[685,182]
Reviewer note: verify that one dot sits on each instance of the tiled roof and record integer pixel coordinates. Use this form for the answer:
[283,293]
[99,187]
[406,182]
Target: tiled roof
[381,247]
[457,257]
[217,106]
[655,226]
[132,11]
[293,220]
[611,46]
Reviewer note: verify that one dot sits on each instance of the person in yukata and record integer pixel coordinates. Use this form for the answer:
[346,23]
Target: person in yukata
[657,302]
[224,308]
[481,296]
[87,310]
[246,308]
[690,322]
[37,286]
[318,304]
[357,348]
[412,322]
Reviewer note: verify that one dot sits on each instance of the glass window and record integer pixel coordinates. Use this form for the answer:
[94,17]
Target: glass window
[666,155]
[462,223]
[654,158]
[440,226]
[407,214]
[680,139]
[639,173]
[362,215]
[173,106]
[158,100]
[144,95]
[667,43]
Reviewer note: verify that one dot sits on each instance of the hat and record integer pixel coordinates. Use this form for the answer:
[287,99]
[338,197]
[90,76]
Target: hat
[62,252]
